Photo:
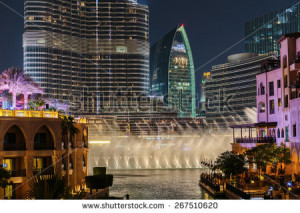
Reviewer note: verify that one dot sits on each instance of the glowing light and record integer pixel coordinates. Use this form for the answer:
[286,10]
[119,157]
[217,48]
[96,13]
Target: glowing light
[99,142]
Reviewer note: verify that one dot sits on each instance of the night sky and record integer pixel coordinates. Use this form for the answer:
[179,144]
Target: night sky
[213,26]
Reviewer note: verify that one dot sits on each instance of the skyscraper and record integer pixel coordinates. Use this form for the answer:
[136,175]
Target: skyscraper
[231,91]
[262,33]
[93,55]
[201,111]
[172,73]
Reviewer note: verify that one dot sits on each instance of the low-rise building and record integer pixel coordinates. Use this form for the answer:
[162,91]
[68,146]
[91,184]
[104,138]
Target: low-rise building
[278,104]
[31,144]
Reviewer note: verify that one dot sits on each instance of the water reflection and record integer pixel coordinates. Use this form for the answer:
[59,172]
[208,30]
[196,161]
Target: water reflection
[158,184]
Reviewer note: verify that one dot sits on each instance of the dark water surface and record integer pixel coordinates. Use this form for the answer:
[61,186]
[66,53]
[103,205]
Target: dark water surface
[158,184]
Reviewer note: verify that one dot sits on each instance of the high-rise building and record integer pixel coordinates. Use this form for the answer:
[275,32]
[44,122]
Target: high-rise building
[172,73]
[201,110]
[232,89]
[262,33]
[93,55]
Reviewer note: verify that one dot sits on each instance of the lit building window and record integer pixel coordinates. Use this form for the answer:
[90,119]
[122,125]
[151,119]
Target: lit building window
[279,102]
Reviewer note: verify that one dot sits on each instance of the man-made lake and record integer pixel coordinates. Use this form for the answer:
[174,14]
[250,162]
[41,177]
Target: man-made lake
[158,184]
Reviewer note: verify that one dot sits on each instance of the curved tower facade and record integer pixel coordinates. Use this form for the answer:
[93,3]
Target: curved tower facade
[92,55]
[172,72]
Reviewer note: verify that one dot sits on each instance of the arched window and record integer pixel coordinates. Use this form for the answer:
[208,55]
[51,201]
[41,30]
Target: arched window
[43,139]
[278,133]
[261,107]
[282,133]
[14,139]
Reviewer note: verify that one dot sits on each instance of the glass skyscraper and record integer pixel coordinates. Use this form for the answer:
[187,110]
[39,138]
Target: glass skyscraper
[172,73]
[90,54]
[262,33]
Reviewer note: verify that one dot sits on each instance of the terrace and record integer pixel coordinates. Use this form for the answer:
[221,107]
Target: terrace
[28,113]
[258,133]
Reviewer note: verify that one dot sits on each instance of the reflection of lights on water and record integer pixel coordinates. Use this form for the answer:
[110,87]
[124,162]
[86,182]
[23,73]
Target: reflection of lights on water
[99,142]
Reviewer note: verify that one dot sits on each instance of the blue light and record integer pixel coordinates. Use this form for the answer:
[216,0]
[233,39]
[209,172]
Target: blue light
[4,165]
[289,184]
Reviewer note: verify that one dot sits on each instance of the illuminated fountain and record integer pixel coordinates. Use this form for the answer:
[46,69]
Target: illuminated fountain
[170,151]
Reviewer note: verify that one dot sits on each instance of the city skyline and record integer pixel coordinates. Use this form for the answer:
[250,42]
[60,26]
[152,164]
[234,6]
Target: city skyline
[195,21]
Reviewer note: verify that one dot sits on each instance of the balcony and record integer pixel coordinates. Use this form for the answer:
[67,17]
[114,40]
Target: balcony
[256,140]
[269,65]
[17,173]
[14,147]
[295,84]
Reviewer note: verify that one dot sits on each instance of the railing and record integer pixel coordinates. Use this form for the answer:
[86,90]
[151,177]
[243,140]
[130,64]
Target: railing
[28,113]
[43,146]
[209,182]
[237,191]
[256,140]
[44,171]
[295,84]
[12,147]
[17,173]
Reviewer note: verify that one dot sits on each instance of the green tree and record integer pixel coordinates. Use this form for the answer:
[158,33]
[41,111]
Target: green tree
[51,187]
[268,154]
[231,164]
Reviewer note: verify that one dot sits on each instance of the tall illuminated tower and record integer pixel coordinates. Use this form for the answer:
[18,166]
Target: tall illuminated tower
[172,72]
[90,54]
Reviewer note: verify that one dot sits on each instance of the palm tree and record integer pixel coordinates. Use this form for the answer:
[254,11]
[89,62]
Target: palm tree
[68,128]
[50,187]
[16,82]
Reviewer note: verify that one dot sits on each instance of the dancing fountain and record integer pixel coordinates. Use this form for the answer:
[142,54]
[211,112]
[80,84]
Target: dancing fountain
[184,148]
